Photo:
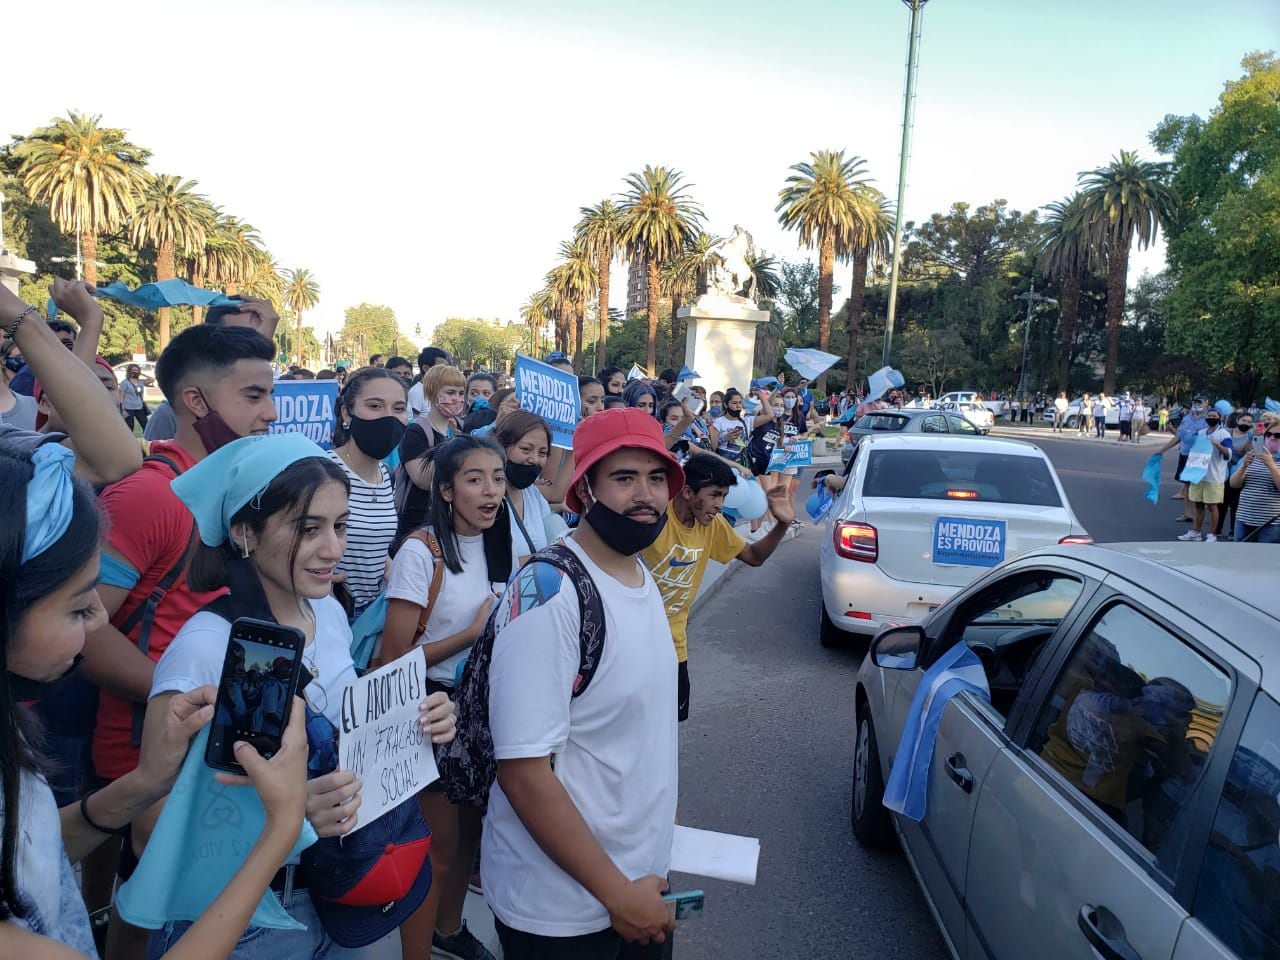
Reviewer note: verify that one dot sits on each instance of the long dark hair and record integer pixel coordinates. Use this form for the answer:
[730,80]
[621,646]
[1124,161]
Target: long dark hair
[22,585]
[604,375]
[724,401]
[351,393]
[497,539]
[292,490]
[512,427]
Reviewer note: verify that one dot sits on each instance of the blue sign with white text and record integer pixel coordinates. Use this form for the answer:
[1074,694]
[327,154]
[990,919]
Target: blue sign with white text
[550,393]
[306,407]
[968,542]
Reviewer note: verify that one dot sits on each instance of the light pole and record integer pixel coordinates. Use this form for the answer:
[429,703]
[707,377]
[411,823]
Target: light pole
[904,157]
[1032,299]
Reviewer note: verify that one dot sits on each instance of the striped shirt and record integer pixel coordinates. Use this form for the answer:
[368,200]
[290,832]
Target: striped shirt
[1259,497]
[370,529]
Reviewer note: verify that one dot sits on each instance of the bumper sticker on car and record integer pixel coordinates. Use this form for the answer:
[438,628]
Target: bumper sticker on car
[969,542]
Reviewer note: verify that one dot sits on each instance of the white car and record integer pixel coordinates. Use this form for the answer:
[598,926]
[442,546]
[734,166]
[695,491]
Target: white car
[921,517]
[976,413]
[150,389]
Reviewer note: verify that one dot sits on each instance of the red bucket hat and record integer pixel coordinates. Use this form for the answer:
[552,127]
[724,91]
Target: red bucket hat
[621,428]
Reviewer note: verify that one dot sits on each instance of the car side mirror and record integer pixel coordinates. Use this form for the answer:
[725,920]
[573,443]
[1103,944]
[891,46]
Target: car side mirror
[898,648]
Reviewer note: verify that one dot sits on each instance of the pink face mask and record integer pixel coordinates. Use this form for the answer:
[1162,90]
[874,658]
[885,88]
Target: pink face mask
[451,407]
[1272,445]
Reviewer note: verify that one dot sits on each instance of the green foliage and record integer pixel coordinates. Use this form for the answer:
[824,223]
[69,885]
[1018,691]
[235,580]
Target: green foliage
[937,356]
[474,342]
[368,329]
[1224,246]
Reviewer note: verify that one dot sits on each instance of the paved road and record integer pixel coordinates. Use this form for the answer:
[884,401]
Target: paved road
[768,749]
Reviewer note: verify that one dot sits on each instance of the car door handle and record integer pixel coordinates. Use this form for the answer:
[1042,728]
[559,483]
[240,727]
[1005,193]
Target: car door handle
[959,773]
[1105,933]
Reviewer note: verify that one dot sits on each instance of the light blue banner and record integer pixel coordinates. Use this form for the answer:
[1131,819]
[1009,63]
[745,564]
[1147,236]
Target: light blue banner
[1197,459]
[819,503]
[153,296]
[798,453]
[306,407]
[964,541]
[550,393]
[1151,474]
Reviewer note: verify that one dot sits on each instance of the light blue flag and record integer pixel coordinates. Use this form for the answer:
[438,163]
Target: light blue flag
[1151,474]
[367,630]
[809,363]
[202,837]
[1197,459]
[1273,406]
[162,293]
[956,671]
[686,375]
[819,503]
[882,381]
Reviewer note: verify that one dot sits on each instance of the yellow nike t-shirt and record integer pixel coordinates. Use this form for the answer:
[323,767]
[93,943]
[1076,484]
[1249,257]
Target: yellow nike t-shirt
[678,559]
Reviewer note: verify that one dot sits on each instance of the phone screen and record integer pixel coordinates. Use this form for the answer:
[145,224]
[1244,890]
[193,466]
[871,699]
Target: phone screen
[255,692]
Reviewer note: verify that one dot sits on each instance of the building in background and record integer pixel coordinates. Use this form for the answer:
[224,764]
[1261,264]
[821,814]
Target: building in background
[637,288]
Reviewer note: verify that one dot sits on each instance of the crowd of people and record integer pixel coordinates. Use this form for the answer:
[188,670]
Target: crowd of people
[444,515]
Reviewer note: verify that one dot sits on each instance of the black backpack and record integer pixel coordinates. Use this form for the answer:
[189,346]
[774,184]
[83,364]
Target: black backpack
[467,765]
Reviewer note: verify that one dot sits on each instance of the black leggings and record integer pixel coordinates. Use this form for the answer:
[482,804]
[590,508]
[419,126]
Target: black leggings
[605,945]
[136,415]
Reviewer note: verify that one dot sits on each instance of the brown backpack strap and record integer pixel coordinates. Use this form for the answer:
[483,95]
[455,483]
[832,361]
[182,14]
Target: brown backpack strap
[428,539]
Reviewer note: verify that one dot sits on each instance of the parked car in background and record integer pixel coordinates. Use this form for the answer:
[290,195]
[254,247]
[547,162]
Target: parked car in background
[976,413]
[1119,795]
[151,390]
[1073,412]
[920,516]
[908,420]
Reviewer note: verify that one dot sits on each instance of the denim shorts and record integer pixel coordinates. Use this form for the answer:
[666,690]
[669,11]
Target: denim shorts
[264,943]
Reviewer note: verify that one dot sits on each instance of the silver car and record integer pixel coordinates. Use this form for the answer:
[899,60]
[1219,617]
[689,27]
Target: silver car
[1119,796]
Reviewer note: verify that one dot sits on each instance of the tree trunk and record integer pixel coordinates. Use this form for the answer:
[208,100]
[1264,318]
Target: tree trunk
[826,271]
[677,337]
[857,297]
[89,253]
[299,344]
[164,271]
[654,270]
[580,316]
[1117,274]
[1070,316]
[602,280]
[197,280]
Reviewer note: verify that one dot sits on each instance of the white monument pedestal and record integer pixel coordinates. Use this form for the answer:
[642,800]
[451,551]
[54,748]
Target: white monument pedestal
[12,268]
[720,343]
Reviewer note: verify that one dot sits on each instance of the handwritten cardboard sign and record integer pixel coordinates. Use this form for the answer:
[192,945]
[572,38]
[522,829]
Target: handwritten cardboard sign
[380,741]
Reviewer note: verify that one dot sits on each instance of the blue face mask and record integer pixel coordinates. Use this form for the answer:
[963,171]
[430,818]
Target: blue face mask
[716,410]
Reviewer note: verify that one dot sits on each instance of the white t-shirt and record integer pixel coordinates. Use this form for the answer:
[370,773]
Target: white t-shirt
[614,746]
[536,510]
[733,448]
[418,404]
[194,658]
[460,594]
[1062,404]
[1099,409]
[1217,472]
[370,529]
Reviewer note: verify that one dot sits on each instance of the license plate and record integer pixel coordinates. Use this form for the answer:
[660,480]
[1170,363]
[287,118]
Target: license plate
[969,542]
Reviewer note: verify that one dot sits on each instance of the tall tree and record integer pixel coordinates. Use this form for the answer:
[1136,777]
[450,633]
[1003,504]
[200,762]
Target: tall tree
[86,174]
[172,218]
[301,293]
[369,328]
[571,282]
[1129,199]
[822,200]
[599,229]
[658,216]
[683,278]
[870,243]
[1065,256]
[536,314]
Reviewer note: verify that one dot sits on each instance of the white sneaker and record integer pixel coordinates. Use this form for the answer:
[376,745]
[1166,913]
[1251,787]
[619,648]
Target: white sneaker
[1210,538]
[1191,535]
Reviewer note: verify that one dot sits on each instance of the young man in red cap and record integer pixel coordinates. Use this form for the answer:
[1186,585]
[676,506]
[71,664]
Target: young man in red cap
[577,838]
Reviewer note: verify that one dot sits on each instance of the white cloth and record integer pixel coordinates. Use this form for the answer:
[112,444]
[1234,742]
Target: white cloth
[614,746]
[1062,405]
[194,658]
[371,527]
[536,510]
[460,595]
[418,404]
[1217,471]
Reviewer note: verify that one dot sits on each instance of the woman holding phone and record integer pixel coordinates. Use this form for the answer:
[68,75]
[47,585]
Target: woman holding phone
[1258,480]
[272,517]
[48,569]
[467,544]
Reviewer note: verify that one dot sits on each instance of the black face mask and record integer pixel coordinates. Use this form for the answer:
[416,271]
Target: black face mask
[26,690]
[14,364]
[376,438]
[620,532]
[522,475]
[214,432]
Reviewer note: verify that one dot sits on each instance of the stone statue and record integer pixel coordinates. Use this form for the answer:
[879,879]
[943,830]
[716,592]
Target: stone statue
[729,270]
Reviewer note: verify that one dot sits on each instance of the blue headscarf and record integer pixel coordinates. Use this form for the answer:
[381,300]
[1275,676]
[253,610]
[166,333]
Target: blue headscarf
[50,499]
[221,484]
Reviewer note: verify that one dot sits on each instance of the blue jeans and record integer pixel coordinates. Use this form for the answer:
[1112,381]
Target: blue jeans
[262,943]
[1268,534]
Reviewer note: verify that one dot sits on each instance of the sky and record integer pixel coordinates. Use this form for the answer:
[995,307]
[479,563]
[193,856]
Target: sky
[432,154]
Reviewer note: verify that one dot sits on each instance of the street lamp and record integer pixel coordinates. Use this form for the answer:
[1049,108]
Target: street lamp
[1032,299]
[904,156]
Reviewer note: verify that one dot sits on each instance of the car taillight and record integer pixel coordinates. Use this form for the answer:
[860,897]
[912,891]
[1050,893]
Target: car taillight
[1077,538]
[856,541]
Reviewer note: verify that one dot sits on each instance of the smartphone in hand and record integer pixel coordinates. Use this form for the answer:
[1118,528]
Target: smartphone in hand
[260,673]
[687,904]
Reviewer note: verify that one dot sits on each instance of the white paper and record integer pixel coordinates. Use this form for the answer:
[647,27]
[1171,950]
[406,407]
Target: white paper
[721,856]
[380,740]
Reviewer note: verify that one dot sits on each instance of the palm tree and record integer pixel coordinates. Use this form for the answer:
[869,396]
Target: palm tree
[822,200]
[1128,199]
[301,292]
[171,217]
[535,313]
[599,229]
[572,282]
[766,283]
[1066,254]
[684,277]
[196,261]
[86,174]
[658,216]
[871,242]
[765,288]
[232,250]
